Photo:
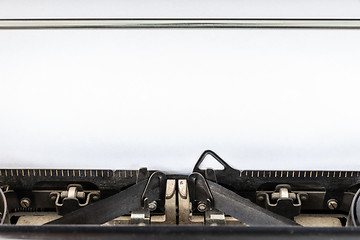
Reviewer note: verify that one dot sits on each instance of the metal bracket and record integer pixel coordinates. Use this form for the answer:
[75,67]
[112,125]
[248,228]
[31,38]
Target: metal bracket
[282,201]
[200,194]
[133,198]
[153,196]
[214,217]
[152,199]
[72,199]
[141,217]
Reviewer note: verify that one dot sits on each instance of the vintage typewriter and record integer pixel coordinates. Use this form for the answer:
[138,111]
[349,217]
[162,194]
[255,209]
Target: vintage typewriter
[208,203]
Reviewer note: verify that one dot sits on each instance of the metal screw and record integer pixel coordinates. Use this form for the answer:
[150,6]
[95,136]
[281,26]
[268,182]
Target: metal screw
[53,196]
[332,204]
[152,206]
[95,197]
[304,197]
[25,202]
[260,198]
[201,207]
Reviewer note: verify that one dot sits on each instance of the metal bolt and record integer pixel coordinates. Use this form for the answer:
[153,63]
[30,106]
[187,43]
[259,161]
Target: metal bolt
[201,207]
[304,197]
[260,198]
[152,206]
[95,197]
[53,196]
[332,204]
[25,202]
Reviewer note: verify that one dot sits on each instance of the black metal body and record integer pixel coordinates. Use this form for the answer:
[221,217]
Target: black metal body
[247,182]
[227,190]
[69,232]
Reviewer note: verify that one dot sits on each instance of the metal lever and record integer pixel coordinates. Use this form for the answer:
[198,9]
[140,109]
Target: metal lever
[199,192]
[206,195]
[153,196]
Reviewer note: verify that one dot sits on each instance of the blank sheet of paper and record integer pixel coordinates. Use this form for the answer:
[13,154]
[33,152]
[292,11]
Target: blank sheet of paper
[261,99]
[269,99]
[179,9]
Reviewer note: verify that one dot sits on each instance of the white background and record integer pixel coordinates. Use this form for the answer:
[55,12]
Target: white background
[120,99]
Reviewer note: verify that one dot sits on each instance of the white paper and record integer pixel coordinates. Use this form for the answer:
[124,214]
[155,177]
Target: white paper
[123,99]
[179,9]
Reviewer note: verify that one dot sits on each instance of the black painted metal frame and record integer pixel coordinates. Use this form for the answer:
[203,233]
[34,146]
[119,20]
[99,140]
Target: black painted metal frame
[89,232]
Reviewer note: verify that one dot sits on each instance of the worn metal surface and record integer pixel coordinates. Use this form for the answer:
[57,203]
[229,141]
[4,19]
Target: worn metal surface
[170,202]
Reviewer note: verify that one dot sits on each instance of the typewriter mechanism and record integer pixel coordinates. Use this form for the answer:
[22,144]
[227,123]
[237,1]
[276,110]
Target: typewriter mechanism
[207,198]
[224,203]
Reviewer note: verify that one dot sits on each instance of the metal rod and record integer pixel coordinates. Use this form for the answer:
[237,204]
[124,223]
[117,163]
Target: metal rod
[178,23]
